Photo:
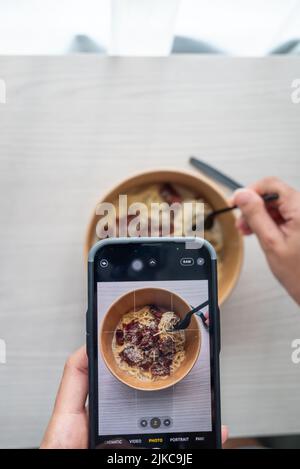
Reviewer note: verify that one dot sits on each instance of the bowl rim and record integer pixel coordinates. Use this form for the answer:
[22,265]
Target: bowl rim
[100,347]
[89,232]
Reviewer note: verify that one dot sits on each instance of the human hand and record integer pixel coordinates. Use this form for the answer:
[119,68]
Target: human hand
[277,226]
[68,426]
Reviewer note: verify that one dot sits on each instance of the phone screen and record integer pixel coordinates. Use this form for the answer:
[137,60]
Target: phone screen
[155,385]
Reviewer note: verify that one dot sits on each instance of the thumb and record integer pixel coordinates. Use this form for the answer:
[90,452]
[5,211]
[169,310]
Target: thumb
[73,390]
[257,217]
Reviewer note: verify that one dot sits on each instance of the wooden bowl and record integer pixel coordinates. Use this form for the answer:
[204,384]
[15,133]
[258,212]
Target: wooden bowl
[134,300]
[232,254]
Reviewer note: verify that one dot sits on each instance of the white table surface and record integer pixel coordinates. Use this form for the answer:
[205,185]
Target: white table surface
[74,126]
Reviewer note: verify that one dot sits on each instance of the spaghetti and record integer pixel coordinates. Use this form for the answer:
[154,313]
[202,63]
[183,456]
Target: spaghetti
[143,347]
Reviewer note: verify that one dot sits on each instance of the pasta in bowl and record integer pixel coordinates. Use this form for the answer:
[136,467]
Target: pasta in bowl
[136,343]
[169,186]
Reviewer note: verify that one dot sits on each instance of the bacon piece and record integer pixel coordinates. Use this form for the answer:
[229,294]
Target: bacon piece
[119,337]
[166,346]
[133,332]
[170,194]
[166,360]
[146,363]
[149,338]
[131,355]
[159,369]
[156,312]
[132,325]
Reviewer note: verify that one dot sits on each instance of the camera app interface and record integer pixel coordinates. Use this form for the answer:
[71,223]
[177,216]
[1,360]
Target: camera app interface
[154,377]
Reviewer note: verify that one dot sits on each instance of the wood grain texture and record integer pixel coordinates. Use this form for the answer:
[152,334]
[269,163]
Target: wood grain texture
[74,126]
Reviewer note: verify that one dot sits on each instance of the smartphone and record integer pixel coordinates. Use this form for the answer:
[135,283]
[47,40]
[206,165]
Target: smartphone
[152,385]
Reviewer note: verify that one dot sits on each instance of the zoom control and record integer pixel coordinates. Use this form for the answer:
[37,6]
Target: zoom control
[156,422]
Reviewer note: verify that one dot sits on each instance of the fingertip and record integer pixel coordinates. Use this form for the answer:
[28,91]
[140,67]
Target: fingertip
[78,359]
[230,200]
[245,196]
[73,388]
[225,433]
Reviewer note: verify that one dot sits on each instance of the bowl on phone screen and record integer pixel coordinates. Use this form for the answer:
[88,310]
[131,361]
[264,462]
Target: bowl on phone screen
[134,305]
